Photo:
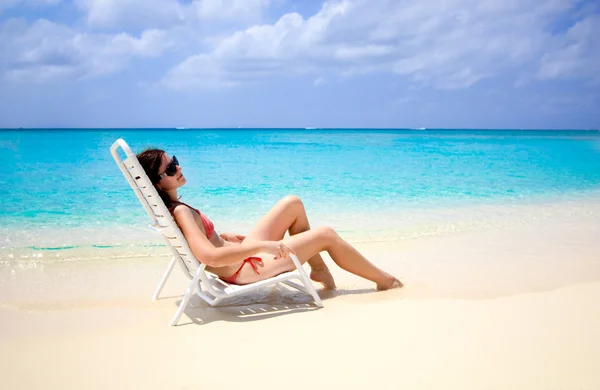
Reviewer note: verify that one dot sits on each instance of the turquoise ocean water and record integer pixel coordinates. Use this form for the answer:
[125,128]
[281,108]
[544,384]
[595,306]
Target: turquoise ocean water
[60,189]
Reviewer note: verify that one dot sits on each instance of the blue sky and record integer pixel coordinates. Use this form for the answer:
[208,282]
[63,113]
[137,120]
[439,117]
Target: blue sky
[284,63]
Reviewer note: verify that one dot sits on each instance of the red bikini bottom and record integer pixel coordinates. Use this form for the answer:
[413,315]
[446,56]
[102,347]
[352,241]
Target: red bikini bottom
[250,260]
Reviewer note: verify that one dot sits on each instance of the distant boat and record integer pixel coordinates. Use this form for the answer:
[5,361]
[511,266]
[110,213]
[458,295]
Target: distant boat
[181,128]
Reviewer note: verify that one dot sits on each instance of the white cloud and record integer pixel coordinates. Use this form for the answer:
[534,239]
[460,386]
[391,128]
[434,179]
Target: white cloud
[44,51]
[446,44]
[319,81]
[230,9]
[578,54]
[352,53]
[132,13]
[199,71]
[257,52]
[164,13]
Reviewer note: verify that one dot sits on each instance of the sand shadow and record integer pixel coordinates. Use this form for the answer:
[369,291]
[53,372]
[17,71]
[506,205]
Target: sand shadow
[258,306]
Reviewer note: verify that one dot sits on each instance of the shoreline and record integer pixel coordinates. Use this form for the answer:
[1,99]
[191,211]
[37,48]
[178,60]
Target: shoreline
[50,245]
[476,264]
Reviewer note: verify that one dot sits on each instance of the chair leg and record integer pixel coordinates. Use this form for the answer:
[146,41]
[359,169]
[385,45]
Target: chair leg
[186,298]
[311,289]
[306,281]
[164,279]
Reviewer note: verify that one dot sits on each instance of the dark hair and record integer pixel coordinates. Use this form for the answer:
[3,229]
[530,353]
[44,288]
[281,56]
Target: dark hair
[150,160]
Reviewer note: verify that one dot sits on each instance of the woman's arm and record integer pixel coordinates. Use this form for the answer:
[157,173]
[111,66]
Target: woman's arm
[204,250]
[232,237]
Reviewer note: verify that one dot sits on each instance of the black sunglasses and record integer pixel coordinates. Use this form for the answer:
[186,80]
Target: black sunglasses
[171,168]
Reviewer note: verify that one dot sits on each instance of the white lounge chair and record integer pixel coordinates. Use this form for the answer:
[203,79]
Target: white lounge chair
[205,284]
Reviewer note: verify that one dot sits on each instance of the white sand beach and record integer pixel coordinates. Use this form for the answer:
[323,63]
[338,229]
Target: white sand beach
[513,307]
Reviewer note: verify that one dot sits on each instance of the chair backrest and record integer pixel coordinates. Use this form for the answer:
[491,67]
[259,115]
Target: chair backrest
[155,207]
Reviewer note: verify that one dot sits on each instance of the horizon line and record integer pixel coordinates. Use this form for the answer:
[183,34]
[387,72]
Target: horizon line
[297,128]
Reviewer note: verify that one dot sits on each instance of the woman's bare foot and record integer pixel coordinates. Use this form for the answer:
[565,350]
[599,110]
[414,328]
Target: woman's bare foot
[324,277]
[392,283]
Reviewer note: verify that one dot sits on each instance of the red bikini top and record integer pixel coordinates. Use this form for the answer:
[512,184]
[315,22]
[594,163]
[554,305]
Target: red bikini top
[209,227]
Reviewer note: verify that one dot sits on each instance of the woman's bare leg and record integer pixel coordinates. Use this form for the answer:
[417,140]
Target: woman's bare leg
[347,257]
[289,215]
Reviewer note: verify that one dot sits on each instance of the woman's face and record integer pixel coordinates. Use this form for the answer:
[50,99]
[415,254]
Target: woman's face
[168,183]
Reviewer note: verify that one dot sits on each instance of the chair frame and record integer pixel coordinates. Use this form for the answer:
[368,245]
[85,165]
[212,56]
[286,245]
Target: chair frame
[208,286]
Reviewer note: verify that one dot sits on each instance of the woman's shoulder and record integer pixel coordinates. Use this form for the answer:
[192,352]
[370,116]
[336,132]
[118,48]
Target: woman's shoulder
[177,206]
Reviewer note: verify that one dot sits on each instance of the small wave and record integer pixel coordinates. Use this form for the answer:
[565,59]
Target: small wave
[8,145]
[53,248]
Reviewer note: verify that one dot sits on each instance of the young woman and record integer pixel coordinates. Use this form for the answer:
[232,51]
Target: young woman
[263,253]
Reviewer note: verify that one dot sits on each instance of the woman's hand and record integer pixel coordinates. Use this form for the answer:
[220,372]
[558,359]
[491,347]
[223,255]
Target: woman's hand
[277,248]
[232,237]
